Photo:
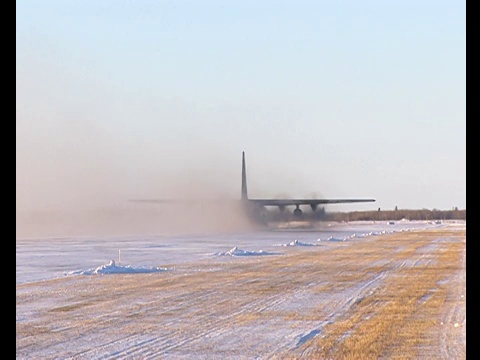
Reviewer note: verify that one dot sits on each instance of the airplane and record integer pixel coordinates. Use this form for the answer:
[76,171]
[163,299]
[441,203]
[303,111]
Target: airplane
[256,208]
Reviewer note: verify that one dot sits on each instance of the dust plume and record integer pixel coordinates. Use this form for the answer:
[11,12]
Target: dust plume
[75,178]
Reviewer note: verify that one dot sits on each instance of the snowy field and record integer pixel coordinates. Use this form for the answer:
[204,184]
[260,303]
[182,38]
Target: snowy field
[190,296]
[47,258]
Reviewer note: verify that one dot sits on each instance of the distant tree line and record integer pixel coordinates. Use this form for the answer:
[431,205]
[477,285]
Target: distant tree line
[397,214]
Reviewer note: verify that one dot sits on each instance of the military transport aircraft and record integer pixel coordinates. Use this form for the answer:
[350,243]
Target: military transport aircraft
[256,208]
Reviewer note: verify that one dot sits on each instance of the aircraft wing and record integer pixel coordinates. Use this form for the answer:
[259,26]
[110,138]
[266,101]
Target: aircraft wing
[261,202]
[286,202]
[183,201]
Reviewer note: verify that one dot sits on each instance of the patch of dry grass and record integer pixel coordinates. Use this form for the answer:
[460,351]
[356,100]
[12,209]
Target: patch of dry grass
[392,322]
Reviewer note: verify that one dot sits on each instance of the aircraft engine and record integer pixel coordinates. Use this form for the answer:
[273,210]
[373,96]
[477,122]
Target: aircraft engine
[297,212]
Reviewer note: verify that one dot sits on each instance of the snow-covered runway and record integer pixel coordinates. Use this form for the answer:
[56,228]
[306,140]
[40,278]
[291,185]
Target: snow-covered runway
[260,295]
[47,258]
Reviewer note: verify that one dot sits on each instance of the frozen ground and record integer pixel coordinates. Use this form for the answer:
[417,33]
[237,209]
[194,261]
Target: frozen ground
[207,296]
[46,258]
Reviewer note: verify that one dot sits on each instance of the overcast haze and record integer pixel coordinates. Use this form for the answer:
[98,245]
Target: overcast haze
[335,99]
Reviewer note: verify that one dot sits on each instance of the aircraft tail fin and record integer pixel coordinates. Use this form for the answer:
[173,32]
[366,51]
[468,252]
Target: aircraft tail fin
[244,178]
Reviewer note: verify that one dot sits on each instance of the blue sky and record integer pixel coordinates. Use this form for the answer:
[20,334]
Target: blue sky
[121,99]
